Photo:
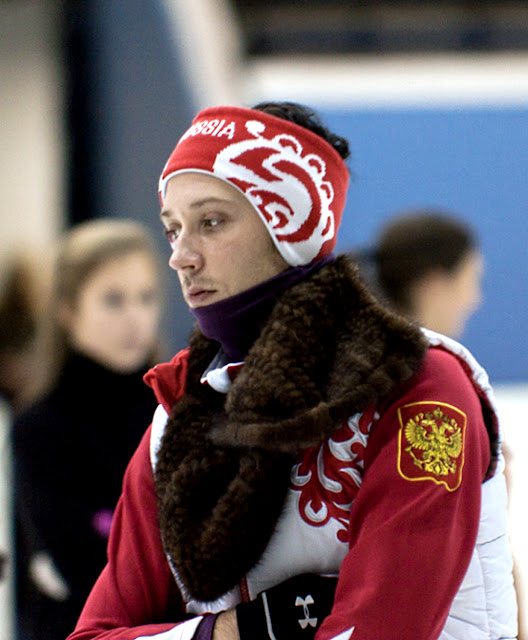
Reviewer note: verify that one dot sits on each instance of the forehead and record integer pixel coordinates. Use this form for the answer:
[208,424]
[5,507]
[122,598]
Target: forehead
[194,188]
[129,268]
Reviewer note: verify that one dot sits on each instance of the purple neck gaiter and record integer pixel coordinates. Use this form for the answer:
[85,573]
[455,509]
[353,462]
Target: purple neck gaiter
[236,322]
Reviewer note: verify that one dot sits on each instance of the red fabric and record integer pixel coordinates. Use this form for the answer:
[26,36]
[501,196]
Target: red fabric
[410,541]
[296,181]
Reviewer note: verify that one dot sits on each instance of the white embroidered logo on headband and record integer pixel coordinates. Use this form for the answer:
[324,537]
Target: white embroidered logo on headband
[288,189]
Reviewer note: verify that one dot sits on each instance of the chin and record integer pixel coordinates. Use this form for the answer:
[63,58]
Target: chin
[129,365]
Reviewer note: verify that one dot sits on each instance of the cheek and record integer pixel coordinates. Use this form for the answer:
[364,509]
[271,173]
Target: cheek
[471,297]
[230,258]
[98,326]
[149,322]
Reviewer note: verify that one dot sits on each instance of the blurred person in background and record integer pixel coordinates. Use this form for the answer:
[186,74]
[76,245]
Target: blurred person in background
[72,445]
[24,288]
[427,265]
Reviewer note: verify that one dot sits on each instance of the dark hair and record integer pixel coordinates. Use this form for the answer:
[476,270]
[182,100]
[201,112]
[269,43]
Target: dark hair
[413,245]
[24,289]
[307,118]
[18,319]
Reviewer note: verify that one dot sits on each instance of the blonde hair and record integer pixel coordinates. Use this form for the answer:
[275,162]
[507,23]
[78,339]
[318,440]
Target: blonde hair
[82,251]
[90,245]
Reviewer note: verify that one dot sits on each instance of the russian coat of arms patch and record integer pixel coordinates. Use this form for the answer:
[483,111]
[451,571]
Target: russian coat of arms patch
[431,443]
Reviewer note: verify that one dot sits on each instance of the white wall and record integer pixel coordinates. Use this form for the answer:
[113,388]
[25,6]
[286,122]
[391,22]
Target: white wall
[31,124]
[349,82]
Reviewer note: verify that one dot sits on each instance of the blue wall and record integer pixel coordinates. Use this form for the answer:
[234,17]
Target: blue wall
[472,162]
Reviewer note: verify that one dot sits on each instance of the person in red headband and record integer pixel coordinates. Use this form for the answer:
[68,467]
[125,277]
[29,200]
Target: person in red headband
[318,466]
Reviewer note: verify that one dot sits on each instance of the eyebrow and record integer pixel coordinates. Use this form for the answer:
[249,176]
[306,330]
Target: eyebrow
[197,204]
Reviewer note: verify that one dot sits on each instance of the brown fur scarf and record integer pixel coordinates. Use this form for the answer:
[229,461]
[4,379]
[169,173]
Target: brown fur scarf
[327,351]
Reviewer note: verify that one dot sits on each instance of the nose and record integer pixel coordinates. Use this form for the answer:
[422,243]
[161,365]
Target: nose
[185,254]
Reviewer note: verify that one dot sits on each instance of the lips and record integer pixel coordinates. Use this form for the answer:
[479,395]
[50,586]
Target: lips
[198,296]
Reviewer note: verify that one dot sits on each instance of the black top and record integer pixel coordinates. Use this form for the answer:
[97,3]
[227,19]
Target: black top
[71,450]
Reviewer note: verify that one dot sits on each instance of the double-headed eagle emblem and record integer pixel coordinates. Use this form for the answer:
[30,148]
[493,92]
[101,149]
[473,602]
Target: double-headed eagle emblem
[438,437]
[431,443]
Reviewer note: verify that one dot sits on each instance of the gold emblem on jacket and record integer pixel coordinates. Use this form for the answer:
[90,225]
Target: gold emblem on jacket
[440,439]
[431,443]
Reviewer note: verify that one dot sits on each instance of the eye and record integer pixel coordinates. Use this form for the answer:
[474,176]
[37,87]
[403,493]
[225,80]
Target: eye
[149,297]
[113,299]
[211,223]
[172,235]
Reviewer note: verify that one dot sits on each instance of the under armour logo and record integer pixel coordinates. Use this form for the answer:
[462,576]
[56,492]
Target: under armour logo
[304,602]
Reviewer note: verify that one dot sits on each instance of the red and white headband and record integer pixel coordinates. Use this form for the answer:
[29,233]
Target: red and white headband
[294,179]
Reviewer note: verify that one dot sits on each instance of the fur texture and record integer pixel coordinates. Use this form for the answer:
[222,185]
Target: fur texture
[327,351]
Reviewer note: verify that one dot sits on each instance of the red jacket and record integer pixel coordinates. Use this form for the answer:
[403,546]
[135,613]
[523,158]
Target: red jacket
[403,544]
